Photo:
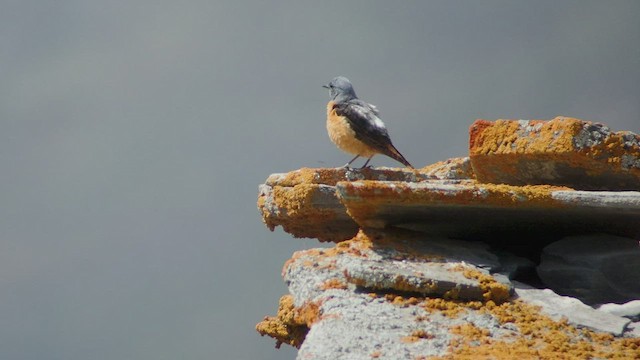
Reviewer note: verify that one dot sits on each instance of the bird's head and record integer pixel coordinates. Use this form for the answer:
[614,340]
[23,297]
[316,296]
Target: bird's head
[340,89]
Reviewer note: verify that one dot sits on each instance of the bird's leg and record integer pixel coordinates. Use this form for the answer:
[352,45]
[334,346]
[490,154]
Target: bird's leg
[365,164]
[349,163]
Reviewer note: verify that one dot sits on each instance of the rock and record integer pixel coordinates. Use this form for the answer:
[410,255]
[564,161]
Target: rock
[576,312]
[630,310]
[633,330]
[306,210]
[331,204]
[304,203]
[595,268]
[398,286]
[451,169]
[563,151]
[330,317]
[410,265]
[512,265]
[468,210]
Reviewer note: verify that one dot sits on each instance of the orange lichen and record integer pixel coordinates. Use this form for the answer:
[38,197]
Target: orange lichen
[517,152]
[417,335]
[285,327]
[291,324]
[449,308]
[539,337]
[491,289]
[298,214]
[333,284]
[509,136]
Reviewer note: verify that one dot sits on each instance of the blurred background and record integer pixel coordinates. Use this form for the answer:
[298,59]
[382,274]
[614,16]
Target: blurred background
[133,135]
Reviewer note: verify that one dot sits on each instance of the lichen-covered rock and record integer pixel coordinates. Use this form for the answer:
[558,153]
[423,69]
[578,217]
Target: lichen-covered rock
[451,169]
[303,202]
[470,210]
[331,204]
[402,288]
[385,319]
[563,151]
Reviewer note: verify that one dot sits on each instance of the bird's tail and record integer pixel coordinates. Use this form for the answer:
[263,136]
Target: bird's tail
[393,153]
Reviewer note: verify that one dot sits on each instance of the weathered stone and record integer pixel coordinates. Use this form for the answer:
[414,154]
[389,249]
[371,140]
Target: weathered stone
[424,266]
[345,321]
[630,310]
[595,268]
[576,312]
[306,207]
[468,210]
[451,169]
[633,330]
[304,203]
[563,151]
[306,210]
[401,288]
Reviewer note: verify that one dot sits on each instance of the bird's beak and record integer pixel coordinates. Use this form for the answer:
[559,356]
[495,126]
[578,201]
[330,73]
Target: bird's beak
[325,86]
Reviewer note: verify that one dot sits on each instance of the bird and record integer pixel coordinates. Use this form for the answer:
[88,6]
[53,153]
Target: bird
[355,126]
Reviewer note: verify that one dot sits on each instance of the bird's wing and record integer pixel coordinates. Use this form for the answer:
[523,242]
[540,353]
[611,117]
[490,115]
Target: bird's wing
[373,108]
[366,124]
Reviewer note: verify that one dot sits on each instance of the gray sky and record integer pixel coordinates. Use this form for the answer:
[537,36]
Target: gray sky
[134,135]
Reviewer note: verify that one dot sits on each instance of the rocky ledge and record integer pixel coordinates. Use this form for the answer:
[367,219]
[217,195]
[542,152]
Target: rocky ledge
[526,249]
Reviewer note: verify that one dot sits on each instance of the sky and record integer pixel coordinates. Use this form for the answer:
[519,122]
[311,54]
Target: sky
[134,135]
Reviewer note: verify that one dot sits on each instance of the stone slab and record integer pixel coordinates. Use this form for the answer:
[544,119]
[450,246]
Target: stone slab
[470,210]
[563,151]
[576,312]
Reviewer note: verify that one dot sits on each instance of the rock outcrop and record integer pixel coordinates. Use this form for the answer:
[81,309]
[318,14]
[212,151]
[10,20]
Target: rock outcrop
[563,151]
[505,254]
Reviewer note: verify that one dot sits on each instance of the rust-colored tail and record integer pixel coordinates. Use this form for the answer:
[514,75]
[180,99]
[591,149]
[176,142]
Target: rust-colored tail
[393,153]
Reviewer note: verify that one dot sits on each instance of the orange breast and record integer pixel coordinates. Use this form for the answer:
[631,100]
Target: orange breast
[343,136]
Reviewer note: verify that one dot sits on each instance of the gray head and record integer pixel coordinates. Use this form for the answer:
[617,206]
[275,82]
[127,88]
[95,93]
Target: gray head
[341,89]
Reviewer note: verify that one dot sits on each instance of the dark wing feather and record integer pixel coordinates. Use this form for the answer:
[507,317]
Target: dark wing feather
[364,121]
[369,129]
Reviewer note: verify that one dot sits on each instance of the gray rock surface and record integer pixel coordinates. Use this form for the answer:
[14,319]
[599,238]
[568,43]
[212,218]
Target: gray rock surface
[576,312]
[435,279]
[466,210]
[387,268]
[355,324]
[597,268]
[328,204]
[630,310]
[633,330]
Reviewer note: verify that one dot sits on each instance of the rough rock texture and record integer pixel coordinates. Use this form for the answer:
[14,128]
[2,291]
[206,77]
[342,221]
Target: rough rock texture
[451,169]
[348,318]
[304,202]
[437,263]
[576,312]
[563,151]
[630,310]
[470,210]
[337,201]
[594,268]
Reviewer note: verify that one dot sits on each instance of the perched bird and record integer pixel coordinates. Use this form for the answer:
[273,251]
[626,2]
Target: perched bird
[354,125]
